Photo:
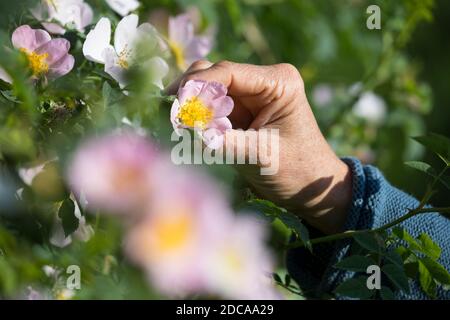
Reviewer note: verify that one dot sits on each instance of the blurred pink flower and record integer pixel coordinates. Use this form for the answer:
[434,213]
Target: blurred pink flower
[172,241]
[185,45]
[75,14]
[203,106]
[46,56]
[239,266]
[114,172]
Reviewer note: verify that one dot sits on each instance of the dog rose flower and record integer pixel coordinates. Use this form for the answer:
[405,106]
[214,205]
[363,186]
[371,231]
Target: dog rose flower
[186,47]
[120,57]
[204,107]
[75,14]
[47,57]
[114,172]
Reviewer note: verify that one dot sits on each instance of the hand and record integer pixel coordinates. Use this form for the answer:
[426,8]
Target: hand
[311,181]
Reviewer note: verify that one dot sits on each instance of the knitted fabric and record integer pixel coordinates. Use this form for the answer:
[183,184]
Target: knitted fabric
[374,203]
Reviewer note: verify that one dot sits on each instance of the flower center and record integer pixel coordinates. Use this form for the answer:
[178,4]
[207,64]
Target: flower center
[124,56]
[233,260]
[171,233]
[194,113]
[37,62]
[178,54]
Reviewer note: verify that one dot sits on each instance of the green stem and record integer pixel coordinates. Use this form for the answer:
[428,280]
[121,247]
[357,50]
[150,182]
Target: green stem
[352,233]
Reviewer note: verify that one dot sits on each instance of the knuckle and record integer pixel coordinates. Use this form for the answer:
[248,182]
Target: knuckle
[224,64]
[199,64]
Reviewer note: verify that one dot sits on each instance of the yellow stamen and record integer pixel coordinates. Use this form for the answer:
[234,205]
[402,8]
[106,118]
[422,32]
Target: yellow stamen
[233,260]
[37,62]
[178,54]
[171,233]
[193,113]
[124,55]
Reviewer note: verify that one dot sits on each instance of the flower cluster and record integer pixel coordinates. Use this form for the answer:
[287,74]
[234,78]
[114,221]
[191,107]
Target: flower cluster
[180,229]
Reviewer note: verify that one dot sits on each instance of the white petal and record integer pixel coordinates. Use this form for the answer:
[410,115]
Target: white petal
[5,76]
[112,68]
[97,40]
[126,32]
[159,69]
[123,7]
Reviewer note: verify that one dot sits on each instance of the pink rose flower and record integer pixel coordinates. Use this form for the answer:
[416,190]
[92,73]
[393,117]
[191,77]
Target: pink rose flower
[114,172]
[185,45]
[203,106]
[47,57]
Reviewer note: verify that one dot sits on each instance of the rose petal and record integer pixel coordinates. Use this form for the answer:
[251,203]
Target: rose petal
[181,30]
[113,69]
[86,16]
[123,7]
[62,66]
[56,49]
[125,33]
[29,39]
[197,49]
[53,28]
[159,69]
[192,88]
[212,91]
[222,106]
[97,40]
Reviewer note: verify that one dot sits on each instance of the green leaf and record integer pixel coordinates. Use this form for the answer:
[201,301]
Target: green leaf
[426,281]
[437,271]
[438,144]
[394,257]
[355,263]
[354,288]
[67,214]
[402,234]
[276,277]
[397,276]
[386,293]
[426,168]
[368,241]
[430,248]
[294,223]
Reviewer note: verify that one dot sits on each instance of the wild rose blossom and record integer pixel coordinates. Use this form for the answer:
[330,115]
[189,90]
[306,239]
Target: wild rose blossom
[47,57]
[173,240]
[120,57]
[184,44]
[203,106]
[114,172]
[239,264]
[56,15]
[123,7]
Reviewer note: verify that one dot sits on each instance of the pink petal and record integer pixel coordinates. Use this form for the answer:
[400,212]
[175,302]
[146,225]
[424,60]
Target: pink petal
[222,106]
[212,91]
[192,88]
[56,49]
[214,135]
[30,39]
[53,28]
[197,49]
[181,30]
[221,124]
[87,15]
[62,66]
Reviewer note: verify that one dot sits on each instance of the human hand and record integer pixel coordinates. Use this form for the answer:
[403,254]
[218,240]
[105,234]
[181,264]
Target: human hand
[311,180]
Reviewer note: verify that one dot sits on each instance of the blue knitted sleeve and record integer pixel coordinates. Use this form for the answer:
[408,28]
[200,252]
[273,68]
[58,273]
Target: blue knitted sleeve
[374,203]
